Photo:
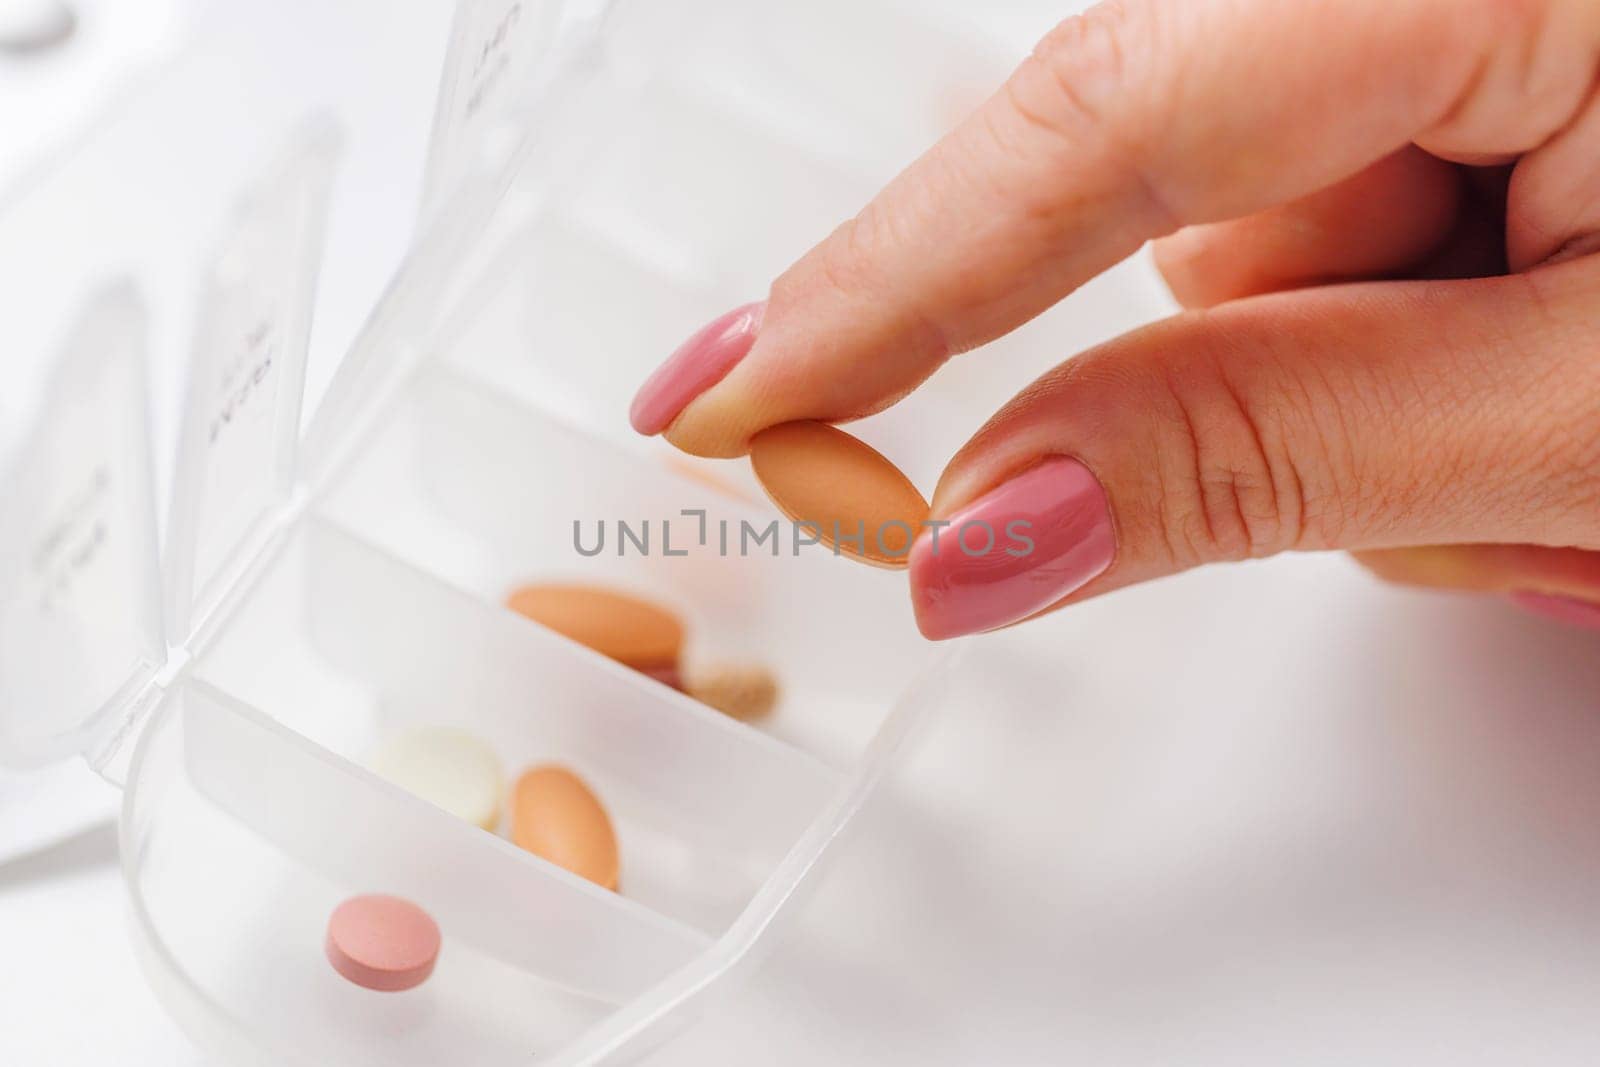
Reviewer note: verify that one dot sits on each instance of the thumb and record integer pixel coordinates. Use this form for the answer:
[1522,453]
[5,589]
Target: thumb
[1358,417]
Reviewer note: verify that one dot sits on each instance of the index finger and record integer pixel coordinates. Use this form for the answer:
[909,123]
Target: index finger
[1125,123]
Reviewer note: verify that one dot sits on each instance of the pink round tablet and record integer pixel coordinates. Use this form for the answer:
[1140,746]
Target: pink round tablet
[382,942]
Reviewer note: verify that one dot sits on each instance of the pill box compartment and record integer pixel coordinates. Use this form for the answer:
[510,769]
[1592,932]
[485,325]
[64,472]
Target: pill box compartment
[383,609]
[239,839]
[347,644]
[447,487]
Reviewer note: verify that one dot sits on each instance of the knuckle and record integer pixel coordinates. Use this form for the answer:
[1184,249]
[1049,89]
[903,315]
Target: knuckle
[842,271]
[1519,19]
[837,266]
[1072,78]
[1096,83]
[1537,71]
[1550,449]
[1572,456]
[1085,57]
[1077,73]
[1249,472]
[1524,69]
[849,267]
[851,262]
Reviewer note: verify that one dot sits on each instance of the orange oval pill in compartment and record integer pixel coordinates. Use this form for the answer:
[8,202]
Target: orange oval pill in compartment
[555,816]
[627,628]
[381,942]
[818,474]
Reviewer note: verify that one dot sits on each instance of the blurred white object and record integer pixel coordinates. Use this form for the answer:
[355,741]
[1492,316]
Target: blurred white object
[63,65]
[28,27]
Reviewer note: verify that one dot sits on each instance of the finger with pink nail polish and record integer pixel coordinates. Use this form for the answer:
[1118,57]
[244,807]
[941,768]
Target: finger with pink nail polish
[1037,537]
[699,363]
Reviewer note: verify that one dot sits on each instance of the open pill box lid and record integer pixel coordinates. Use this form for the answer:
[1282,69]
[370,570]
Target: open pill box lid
[80,610]
[89,619]
[95,621]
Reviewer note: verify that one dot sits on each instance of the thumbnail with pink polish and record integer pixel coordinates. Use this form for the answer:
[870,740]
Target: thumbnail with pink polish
[699,363]
[1569,610]
[1012,552]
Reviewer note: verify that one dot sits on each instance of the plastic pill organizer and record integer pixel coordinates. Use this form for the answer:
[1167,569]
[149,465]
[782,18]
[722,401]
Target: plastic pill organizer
[590,205]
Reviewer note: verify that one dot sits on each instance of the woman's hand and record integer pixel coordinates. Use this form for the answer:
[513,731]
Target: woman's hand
[1438,159]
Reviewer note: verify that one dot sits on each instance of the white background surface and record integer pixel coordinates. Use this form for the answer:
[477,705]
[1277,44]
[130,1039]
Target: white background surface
[1263,814]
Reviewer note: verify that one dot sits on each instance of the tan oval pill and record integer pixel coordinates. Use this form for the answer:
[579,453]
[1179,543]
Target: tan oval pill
[743,691]
[556,817]
[818,474]
[626,628]
[381,942]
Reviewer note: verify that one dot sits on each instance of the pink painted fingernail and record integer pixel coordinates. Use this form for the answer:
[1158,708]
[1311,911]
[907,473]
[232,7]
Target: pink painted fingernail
[699,363]
[1561,608]
[1013,551]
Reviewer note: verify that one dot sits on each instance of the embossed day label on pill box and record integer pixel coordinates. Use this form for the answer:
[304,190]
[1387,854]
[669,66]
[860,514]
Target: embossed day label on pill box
[494,45]
[247,375]
[79,603]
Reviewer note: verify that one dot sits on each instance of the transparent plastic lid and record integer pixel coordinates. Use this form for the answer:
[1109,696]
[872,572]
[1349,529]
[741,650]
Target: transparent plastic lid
[81,579]
[84,591]
[495,48]
[494,69]
[247,378]
[80,612]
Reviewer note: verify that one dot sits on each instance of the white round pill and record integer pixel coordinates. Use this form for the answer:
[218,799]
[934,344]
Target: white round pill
[448,768]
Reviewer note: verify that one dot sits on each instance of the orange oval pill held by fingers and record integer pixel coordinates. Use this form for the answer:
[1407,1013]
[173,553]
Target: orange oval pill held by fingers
[858,502]
[626,628]
[382,942]
[556,817]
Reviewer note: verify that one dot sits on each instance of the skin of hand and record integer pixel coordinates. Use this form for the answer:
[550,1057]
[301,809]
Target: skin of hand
[1383,220]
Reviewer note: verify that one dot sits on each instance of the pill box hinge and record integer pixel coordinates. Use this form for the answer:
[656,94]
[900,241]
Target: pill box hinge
[111,755]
